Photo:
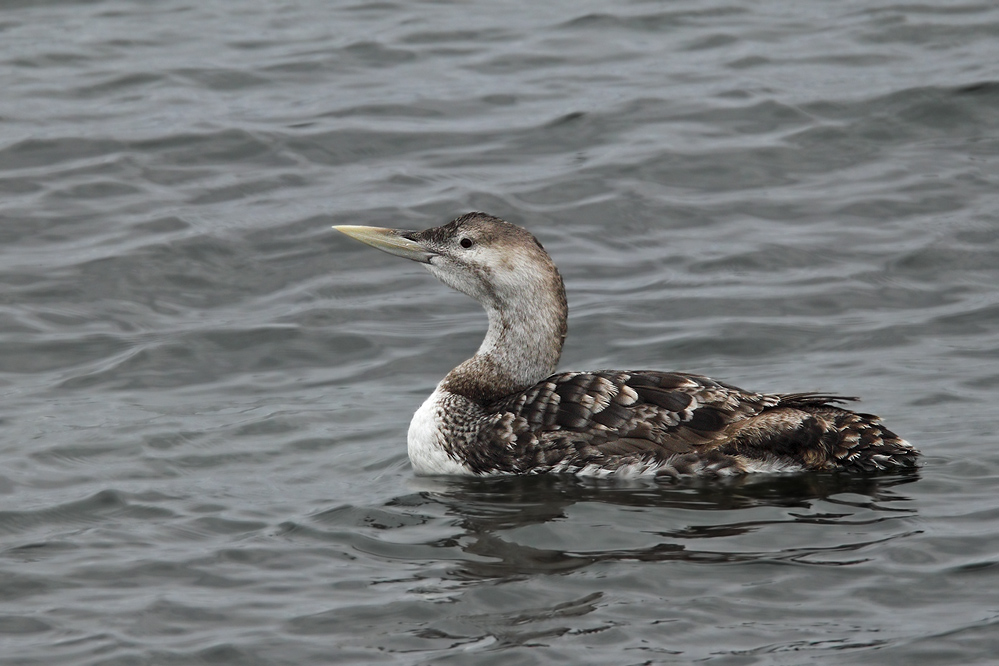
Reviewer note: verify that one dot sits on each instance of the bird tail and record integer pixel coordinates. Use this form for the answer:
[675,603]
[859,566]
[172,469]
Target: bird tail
[810,430]
[861,442]
[853,440]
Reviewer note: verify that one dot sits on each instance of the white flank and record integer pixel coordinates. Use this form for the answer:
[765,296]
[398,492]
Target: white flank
[769,466]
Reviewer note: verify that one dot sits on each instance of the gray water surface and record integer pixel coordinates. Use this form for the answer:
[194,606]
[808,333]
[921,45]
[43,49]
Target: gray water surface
[204,390]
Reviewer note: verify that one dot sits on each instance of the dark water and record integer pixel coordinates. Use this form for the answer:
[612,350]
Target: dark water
[204,391]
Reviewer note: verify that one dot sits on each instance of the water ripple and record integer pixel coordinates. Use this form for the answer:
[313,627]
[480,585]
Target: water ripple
[205,391]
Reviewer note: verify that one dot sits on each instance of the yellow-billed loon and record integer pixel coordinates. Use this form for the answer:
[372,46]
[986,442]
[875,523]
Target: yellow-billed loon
[504,412]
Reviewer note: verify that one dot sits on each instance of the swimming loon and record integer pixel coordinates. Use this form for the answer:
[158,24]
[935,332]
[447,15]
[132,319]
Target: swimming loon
[503,411]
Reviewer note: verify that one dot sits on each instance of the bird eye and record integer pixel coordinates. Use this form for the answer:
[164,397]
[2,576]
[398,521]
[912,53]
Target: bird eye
[465,243]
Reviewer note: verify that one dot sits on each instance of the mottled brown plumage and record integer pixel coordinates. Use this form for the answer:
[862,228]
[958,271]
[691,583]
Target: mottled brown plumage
[497,414]
[674,424]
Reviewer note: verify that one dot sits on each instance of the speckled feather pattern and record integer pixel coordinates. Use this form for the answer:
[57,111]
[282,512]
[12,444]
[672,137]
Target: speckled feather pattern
[667,424]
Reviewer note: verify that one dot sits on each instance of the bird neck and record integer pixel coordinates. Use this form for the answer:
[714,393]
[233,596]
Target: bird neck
[521,347]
